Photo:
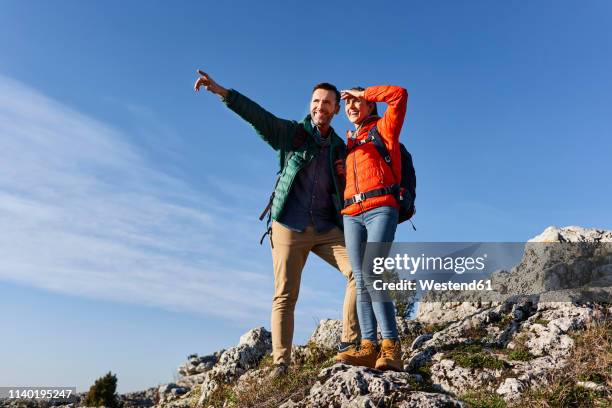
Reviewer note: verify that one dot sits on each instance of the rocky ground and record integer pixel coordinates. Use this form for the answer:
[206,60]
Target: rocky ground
[530,350]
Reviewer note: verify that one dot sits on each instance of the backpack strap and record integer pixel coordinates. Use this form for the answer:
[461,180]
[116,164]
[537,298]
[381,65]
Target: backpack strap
[357,198]
[378,142]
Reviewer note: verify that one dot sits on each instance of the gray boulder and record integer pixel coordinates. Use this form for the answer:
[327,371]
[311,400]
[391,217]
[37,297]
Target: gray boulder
[170,391]
[449,377]
[560,264]
[199,364]
[235,361]
[348,386]
[327,334]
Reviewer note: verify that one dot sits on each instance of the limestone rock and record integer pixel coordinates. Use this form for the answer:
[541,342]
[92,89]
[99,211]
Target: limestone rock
[235,361]
[199,364]
[408,328]
[510,389]
[348,386]
[146,398]
[430,400]
[452,378]
[573,234]
[561,264]
[327,334]
[170,391]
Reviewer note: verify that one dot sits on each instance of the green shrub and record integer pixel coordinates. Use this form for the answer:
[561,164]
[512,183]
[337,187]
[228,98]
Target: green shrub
[103,392]
[520,355]
[465,347]
[475,360]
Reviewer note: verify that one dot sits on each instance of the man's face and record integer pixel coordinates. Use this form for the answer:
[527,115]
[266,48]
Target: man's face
[323,106]
[357,109]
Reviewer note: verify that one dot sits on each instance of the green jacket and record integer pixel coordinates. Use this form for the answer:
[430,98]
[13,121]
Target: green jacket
[295,148]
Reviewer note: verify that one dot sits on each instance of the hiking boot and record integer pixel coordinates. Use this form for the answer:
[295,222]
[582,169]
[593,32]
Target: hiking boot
[390,357]
[365,355]
[278,371]
[346,346]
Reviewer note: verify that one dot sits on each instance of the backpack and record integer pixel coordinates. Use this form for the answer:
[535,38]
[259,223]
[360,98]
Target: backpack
[406,193]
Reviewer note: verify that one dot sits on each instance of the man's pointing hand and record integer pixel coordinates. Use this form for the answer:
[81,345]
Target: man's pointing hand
[209,84]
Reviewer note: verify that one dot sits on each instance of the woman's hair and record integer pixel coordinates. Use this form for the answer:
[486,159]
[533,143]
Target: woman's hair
[375,109]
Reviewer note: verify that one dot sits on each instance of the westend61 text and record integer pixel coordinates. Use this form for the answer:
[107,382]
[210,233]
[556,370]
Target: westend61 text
[431,284]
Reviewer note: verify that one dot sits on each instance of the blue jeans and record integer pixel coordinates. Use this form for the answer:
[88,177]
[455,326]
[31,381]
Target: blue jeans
[375,225]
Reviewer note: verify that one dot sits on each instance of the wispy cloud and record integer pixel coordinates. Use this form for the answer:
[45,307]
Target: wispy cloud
[83,212]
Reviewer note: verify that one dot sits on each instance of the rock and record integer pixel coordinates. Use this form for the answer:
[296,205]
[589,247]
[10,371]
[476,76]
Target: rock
[146,398]
[432,312]
[532,373]
[551,339]
[590,385]
[449,377]
[235,361]
[327,334]
[534,322]
[542,330]
[460,332]
[170,391]
[559,258]
[407,328]
[418,342]
[510,389]
[348,386]
[191,381]
[430,400]
[562,264]
[199,364]
[573,234]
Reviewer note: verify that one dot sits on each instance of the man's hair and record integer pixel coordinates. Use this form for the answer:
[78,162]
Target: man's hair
[329,87]
[361,88]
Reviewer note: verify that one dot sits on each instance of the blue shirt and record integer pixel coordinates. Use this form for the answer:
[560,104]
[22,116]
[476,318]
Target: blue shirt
[310,199]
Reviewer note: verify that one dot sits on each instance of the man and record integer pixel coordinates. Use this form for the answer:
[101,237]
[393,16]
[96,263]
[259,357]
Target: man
[305,208]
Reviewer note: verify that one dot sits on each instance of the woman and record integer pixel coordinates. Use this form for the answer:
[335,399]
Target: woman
[371,215]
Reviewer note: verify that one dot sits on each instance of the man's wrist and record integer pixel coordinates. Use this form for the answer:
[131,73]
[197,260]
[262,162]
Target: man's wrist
[222,92]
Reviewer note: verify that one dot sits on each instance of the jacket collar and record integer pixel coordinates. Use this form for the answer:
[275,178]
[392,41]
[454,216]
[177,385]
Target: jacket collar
[364,124]
[307,122]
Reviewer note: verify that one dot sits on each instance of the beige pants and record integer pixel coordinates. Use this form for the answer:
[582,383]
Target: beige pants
[289,253]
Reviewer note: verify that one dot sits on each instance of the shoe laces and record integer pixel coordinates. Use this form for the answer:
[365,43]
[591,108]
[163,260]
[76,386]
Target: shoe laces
[389,352]
[365,350]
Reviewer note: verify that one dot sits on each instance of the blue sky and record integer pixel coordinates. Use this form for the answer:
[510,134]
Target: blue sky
[129,204]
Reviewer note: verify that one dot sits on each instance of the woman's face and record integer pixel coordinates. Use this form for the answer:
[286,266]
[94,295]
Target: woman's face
[357,109]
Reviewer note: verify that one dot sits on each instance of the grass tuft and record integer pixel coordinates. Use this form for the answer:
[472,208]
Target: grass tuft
[520,355]
[484,399]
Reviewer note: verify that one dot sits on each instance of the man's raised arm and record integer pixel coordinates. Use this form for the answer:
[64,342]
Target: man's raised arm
[277,132]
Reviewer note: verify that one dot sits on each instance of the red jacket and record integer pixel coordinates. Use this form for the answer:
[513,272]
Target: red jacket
[365,168]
